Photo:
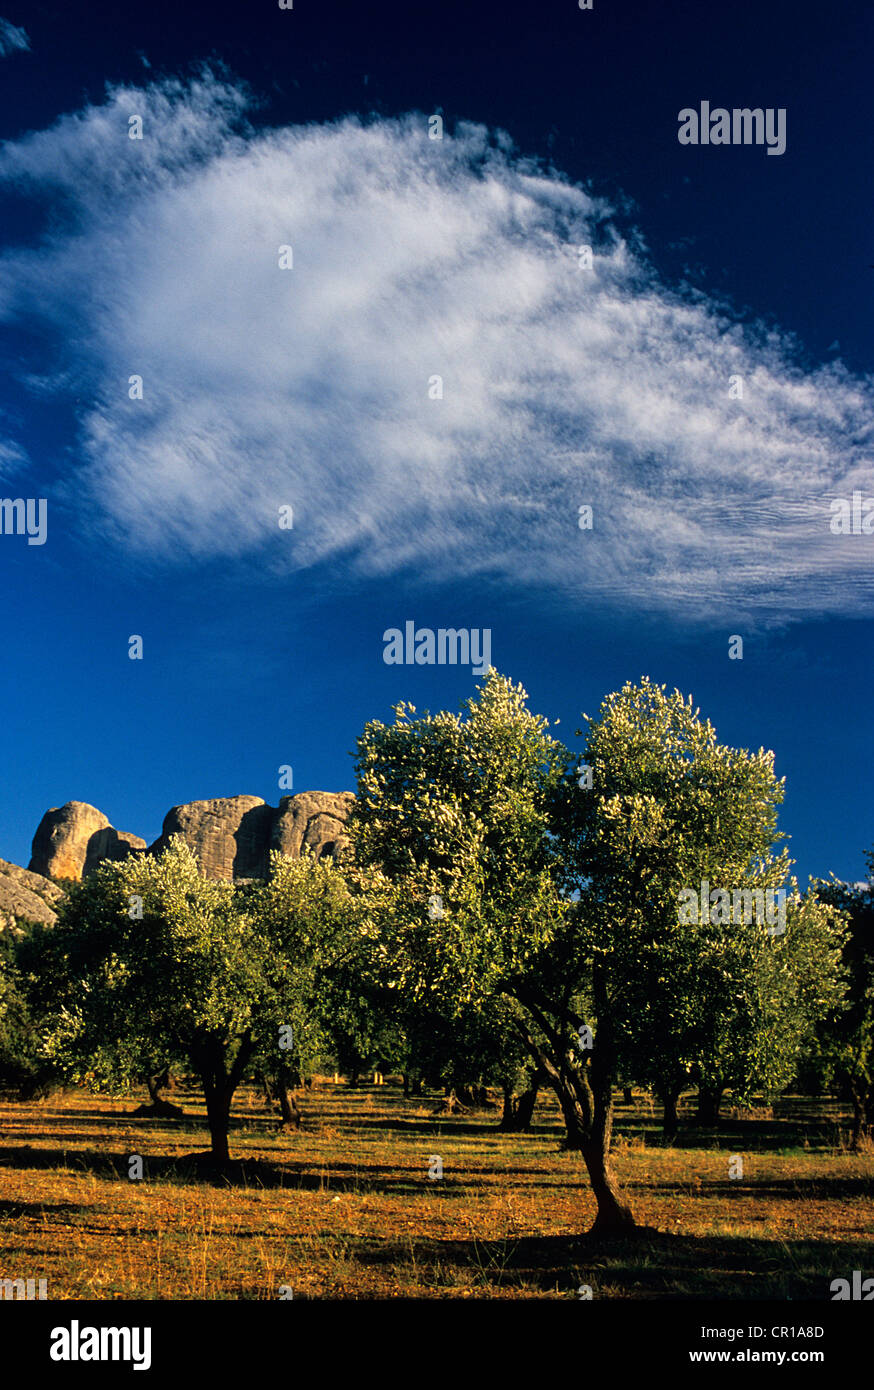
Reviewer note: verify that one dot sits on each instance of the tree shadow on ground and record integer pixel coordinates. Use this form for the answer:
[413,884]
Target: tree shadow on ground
[438,1124]
[653,1264]
[61,1119]
[781,1189]
[751,1135]
[13,1210]
[201,1168]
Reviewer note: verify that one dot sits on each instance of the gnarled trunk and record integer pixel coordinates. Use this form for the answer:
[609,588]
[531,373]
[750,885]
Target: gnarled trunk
[157,1083]
[614,1215]
[451,1105]
[473,1095]
[219,1084]
[585,1094]
[518,1111]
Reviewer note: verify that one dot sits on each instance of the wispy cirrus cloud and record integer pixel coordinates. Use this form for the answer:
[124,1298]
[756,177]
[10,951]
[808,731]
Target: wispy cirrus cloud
[12,39]
[416,258]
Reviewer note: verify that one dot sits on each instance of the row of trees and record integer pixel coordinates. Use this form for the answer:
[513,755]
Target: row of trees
[504,921]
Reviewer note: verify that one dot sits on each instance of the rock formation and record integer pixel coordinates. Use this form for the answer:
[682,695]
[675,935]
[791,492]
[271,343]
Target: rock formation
[72,840]
[25,897]
[231,836]
[312,820]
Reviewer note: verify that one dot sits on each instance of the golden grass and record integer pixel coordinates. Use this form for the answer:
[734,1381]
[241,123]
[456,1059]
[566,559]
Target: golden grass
[345,1208]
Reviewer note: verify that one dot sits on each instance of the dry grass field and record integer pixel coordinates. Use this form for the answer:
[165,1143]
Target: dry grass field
[345,1208]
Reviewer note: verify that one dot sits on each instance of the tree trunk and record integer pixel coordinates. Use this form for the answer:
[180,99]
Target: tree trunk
[525,1107]
[219,1095]
[288,1107]
[709,1102]
[158,1107]
[858,1122]
[219,1084]
[614,1216]
[451,1105]
[586,1099]
[670,1118]
[862,1097]
[156,1083]
[518,1111]
[508,1113]
[263,1081]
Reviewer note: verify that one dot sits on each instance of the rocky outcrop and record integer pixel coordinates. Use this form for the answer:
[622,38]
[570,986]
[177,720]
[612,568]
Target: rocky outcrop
[26,897]
[72,840]
[315,821]
[231,836]
[110,843]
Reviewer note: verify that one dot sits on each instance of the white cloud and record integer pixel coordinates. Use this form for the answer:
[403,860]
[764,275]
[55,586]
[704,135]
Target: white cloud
[414,258]
[12,39]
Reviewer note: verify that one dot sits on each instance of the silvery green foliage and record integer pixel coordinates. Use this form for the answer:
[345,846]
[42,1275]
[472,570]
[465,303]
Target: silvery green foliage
[206,976]
[457,806]
[723,1004]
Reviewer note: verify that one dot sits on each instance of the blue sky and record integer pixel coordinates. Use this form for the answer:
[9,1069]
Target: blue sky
[309,387]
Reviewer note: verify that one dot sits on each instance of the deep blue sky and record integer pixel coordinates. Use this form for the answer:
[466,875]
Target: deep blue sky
[247,669]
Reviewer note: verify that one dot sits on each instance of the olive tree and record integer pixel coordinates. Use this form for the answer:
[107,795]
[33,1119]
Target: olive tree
[560,886]
[456,810]
[150,960]
[738,1001]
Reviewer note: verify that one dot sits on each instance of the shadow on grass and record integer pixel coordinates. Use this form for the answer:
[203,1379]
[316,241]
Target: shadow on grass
[651,1265]
[201,1168]
[16,1209]
[780,1189]
[750,1135]
[438,1124]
